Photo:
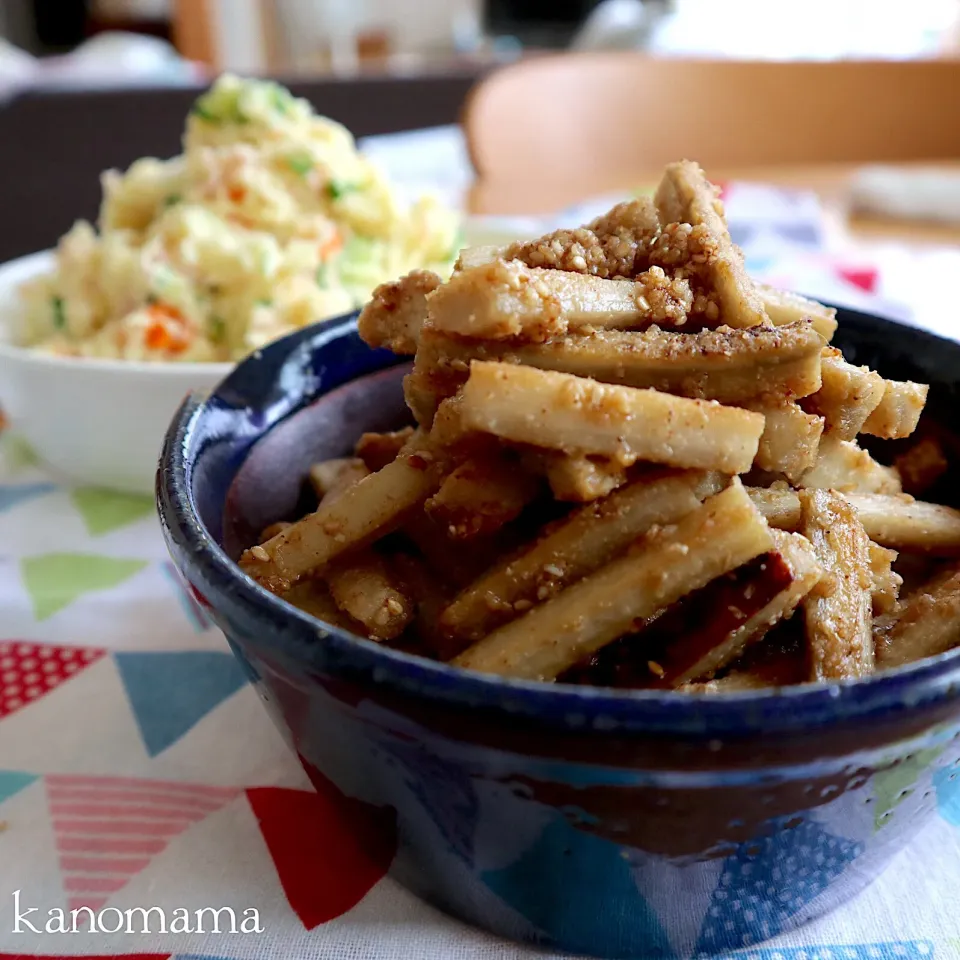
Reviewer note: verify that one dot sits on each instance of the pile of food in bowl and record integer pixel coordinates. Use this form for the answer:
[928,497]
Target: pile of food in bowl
[631,465]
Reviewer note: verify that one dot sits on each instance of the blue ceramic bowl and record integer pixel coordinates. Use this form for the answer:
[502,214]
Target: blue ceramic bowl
[612,823]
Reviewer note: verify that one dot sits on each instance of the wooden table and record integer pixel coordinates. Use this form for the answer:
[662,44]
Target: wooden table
[830,183]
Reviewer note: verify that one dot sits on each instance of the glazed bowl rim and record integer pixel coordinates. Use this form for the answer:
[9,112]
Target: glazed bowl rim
[308,641]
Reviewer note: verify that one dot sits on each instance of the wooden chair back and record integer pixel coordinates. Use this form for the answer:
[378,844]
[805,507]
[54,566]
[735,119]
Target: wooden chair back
[606,116]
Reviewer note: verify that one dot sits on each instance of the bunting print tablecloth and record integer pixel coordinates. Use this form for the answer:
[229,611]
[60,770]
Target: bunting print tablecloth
[138,770]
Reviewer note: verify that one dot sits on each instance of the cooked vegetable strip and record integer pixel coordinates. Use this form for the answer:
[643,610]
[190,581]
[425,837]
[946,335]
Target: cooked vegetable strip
[685,195]
[895,521]
[480,256]
[732,366]
[361,586]
[783,308]
[364,511]
[734,682]
[783,669]
[572,548]
[577,415]
[899,411]
[839,609]
[448,561]
[508,299]
[927,624]
[886,581]
[396,312]
[921,466]
[313,597]
[376,450]
[329,478]
[580,479]
[779,505]
[636,218]
[734,611]
[364,588]
[481,495]
[720,535]
[842,465]
[422,395]
[431,597]
[790,439]
[273,530]
[448,428]
[847,395]
[909,525]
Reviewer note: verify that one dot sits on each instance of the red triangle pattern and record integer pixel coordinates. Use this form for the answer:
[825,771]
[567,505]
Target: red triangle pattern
[329,849]
[108,829]
[866,278]
[29,671]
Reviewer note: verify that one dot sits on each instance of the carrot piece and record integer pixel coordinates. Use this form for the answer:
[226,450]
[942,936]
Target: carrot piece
[168,331]
[331,245]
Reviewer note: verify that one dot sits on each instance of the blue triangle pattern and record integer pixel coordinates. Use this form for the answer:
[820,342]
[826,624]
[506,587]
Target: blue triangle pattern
[14,494]
[947,783]
[768,881]
[891,950]
[593,876]
[13,781]
[171,692]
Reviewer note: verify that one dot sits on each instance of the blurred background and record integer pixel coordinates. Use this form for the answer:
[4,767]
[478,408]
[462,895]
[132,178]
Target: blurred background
[798,95]
[311,36]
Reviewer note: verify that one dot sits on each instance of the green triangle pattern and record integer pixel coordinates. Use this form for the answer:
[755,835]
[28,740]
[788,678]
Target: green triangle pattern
[17,453]
[55,580]
[104,510]
[891,787]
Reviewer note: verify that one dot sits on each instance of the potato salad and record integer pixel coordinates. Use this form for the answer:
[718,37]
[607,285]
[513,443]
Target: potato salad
[268,221]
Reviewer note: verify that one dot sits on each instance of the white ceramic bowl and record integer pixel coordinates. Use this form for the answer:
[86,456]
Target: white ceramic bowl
[95,422]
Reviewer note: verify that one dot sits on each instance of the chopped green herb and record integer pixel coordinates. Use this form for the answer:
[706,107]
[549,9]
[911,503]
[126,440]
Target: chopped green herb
[218,329]
[300,164]
[199,110]
[59,313]
[337,189]
[264,302]
[218,107]
[280,99]
[152,298]
[323,276]
[174,198]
